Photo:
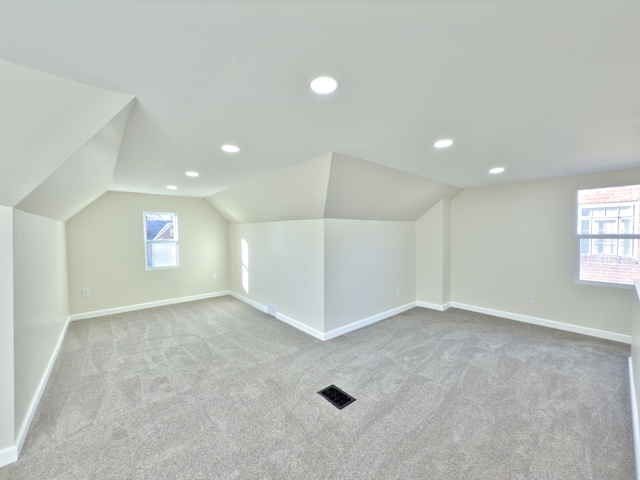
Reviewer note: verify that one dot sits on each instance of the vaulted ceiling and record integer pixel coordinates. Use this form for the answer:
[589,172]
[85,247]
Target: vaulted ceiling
[541,88]
[60,141]
[332,186]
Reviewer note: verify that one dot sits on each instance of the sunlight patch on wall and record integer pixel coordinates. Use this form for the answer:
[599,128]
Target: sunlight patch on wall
[245,265]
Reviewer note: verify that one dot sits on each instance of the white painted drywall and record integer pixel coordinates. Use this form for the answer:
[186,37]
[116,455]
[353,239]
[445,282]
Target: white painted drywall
[433,259]
[363,190]
[85,176]
[365,263]
[634,371]
[285,267]
[446,251]
[45,119]
[106,252]
[332,186]
[295,193]
[41,302]
[517,239]
[7,409]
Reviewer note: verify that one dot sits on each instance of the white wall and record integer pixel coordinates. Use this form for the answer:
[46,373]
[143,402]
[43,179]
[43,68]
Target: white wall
[286,267]
[365,263]
[44,120]
[517,239]
[41,305]
[7,422]
[634,365]
[433,255]
[106,252]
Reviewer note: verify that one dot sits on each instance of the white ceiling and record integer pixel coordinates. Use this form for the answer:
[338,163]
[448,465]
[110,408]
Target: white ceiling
[331,186]
[542,88]
[59,140]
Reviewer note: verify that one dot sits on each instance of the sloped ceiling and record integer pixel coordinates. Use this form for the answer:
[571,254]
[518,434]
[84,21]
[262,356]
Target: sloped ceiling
[295,193]
[363,190]
[332,186]
[45,120]
[540,87]
[85,176]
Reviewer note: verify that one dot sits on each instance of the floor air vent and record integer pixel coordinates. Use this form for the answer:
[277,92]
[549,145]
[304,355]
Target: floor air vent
[336,396]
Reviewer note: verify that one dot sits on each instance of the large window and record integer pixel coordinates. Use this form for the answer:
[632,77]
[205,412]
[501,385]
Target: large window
[161,240]
[608,230]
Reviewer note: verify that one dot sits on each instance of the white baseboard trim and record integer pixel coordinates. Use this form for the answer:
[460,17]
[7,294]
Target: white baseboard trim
[8,455]
[634,419]
[592,332]
[333,333]
[24,429]
[248,301]
[142,306]
[434,306]
[367,321]
[283,318]
[301,326]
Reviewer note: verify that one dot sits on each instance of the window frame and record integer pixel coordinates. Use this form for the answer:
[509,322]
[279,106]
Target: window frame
[174,240]
[592,236]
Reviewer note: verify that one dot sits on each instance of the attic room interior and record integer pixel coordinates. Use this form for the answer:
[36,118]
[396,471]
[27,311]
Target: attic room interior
[320,238]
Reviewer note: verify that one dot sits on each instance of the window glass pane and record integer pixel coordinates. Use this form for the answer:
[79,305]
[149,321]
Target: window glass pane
[622,269]
[609,247]
[626,226]
[584,246]
[612,211]
[626,211]
[597,246]
[610,226]
[585,225]
[160,226]
[597,227]
[161,238]
[608,212]
[162,255]
[625,248]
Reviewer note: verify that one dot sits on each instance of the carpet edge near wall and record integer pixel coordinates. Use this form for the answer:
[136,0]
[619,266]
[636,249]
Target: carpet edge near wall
[11,454]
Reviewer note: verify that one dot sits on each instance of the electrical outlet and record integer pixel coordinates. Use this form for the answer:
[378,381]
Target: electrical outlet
[398,291]
[528,298]
[215,276]
[85,292]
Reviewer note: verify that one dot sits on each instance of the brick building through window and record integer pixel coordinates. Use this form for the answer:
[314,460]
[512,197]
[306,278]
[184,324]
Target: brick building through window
[608,234]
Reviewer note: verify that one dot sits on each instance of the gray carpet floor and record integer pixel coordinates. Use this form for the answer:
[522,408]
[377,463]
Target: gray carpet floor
[215,389]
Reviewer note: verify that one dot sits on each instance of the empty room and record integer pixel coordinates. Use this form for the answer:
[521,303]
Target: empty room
[319,239]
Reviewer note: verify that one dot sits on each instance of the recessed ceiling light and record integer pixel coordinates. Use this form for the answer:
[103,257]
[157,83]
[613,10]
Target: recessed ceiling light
[323,85]
[191,174]
[496,170]
[444,143]
[172,187]
[230,149]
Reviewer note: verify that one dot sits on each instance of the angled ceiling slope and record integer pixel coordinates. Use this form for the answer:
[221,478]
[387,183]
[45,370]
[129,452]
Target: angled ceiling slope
[332,186]
[295,193]
[85,176]
[363,190]
[60,143]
